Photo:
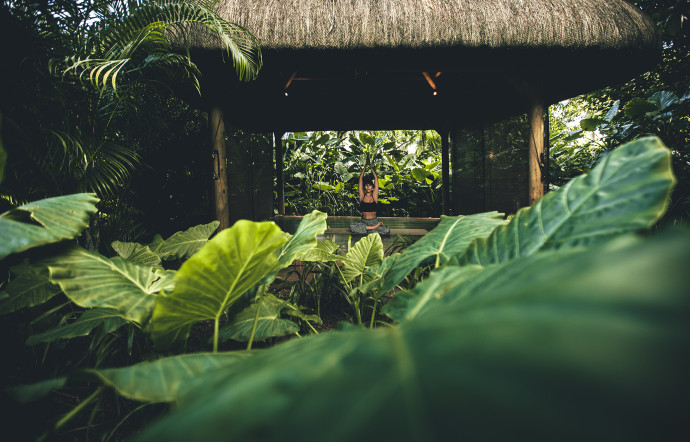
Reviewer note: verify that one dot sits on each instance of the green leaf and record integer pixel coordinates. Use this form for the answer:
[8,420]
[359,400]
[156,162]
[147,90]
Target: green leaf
[215,277]
[161,380]
[269,323]
[323,251]
[451,237]
[408,305]
[92,280]
[663,99]
[182,245]
[89,320]
[607,344]
[304,238]
[136,253]
[638,107]
[45,222]
[626,192]
[367,252]
[419,174]
[30,286]
[591,124]
[29,393]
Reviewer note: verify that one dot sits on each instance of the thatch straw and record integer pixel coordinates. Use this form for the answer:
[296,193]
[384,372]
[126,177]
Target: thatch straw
[359,24]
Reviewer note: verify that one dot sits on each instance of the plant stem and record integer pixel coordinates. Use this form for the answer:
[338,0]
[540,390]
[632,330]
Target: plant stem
[66,418]
[262,289]
[373,314]
[215,335]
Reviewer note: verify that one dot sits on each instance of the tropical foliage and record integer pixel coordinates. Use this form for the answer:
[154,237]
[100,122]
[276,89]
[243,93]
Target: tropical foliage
[552,306]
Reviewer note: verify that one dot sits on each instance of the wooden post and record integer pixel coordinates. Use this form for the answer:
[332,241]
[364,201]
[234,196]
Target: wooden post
[445,181]
[278,144]
[536,147]
[220,176]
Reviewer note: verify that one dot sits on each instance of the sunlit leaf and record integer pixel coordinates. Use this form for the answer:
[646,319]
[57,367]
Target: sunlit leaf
[136,253]
[323,251]
[215,277]
[367,252]
[92,280]
[182,245]
[626,192]
[44,222]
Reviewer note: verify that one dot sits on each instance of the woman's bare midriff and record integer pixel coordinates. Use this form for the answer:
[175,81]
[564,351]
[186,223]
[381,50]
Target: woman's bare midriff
[368,215]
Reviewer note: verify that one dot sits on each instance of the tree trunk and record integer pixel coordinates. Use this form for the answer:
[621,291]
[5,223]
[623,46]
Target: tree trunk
[536,148]
[445,181]
[280,185]
[220,176]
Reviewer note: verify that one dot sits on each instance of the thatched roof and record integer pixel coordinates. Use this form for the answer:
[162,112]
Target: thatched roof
[357,24]
[372,64]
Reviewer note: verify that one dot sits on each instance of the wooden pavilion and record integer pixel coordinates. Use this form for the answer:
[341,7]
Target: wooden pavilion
[456,66]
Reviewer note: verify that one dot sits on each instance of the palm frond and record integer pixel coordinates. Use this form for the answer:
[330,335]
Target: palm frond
[143,40]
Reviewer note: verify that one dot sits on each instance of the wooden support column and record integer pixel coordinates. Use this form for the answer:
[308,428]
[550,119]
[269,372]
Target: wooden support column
[445,167]
[535,118]
[280,184]
[220,176]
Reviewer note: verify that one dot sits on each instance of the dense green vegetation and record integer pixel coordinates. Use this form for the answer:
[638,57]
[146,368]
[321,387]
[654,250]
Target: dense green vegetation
[568,320]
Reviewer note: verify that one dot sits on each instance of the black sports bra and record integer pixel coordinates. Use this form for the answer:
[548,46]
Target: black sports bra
[368,207]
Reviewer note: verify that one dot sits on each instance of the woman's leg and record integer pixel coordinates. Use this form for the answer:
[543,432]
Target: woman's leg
[358,227]
[382,230]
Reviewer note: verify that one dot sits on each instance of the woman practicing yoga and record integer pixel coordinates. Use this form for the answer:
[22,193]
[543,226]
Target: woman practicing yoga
[368,203]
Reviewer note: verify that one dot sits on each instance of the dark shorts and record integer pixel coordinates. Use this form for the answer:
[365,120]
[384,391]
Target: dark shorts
[360,227]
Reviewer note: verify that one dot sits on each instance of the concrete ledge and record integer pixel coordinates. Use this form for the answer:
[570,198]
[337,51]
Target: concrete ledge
[403,232]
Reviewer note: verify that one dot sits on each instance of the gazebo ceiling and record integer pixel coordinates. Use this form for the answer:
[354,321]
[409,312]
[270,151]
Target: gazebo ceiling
[377,64]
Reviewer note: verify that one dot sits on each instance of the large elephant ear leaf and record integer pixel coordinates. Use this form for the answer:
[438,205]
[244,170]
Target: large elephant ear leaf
[92,280]
[626,192]
[110,319]
[269,324]
[182,245]
[304,238]
[45,222]
[323,251]
[367,252]
[452,236]
[607,343]
[30,286]
[161,380]
[215,277]
[136,253]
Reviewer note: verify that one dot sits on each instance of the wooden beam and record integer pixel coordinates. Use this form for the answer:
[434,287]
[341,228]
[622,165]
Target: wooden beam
[445,179]
[280,184]
[220,176]
[429,80]
[535,117]
[292,77]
